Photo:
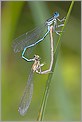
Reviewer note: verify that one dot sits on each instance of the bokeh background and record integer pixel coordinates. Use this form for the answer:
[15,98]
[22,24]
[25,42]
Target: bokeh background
[64,97]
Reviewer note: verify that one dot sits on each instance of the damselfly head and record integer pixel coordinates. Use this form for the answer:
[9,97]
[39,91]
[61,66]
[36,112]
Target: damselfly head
[36,57]
[56,14]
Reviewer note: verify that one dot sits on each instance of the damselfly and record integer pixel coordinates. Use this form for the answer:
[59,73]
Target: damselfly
[36,67]
[35,36]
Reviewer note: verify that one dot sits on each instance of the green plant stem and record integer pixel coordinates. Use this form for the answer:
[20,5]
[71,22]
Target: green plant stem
[48,82]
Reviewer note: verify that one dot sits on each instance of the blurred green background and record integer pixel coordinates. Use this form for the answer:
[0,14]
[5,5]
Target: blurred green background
[64,96]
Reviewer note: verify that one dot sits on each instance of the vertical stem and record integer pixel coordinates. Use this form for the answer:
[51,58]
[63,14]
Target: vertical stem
[48,82]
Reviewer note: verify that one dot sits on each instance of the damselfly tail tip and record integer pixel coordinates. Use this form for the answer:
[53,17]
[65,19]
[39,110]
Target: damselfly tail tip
[21,111]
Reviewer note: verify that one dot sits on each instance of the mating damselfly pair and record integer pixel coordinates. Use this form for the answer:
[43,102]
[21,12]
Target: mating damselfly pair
[28,40]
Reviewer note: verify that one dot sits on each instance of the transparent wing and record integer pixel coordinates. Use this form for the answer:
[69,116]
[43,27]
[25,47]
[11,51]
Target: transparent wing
[27,96]
[29,38]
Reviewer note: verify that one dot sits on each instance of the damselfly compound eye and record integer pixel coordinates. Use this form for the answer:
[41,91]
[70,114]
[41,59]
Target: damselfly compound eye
[56,14]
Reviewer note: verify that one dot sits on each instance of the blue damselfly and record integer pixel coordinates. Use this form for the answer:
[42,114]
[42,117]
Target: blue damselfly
[35,36]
